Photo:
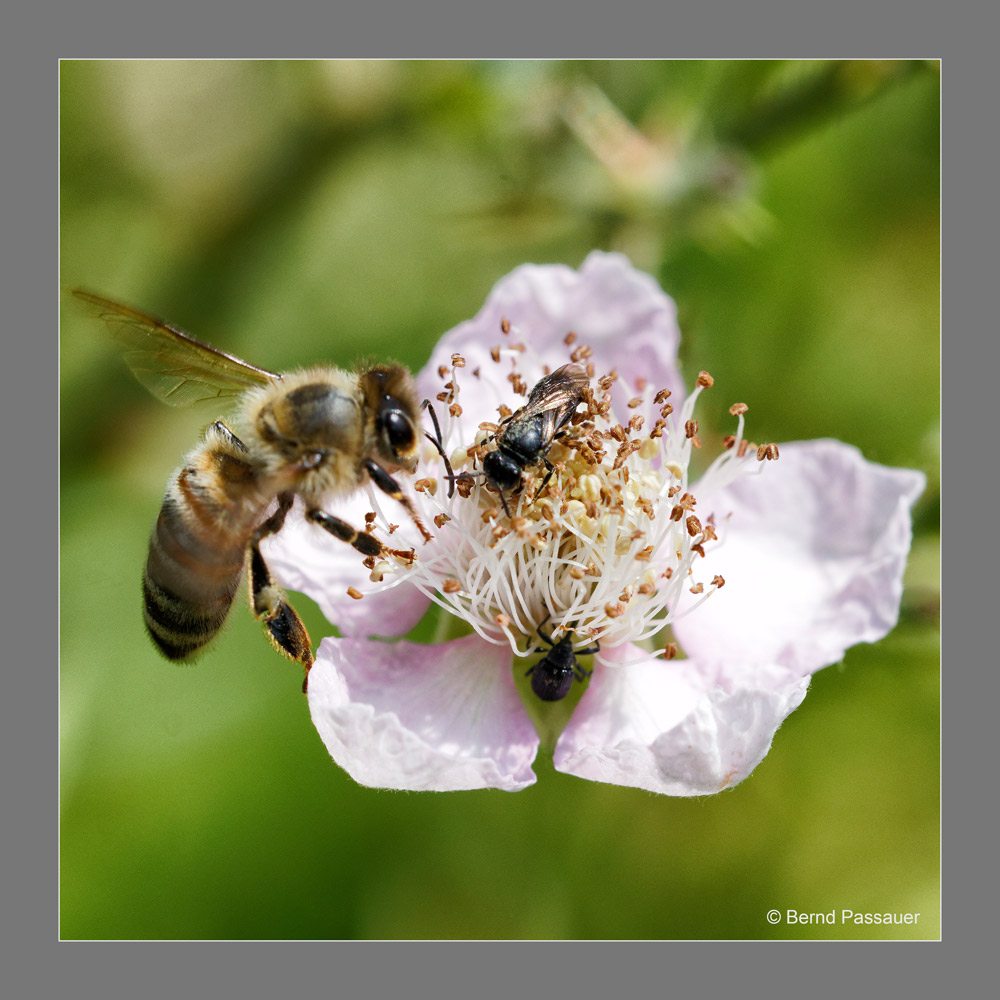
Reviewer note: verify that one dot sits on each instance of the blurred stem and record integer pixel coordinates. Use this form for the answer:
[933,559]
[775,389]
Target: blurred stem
[834,89]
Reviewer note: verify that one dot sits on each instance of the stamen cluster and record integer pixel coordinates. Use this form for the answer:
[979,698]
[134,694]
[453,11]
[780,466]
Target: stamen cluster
[605,548]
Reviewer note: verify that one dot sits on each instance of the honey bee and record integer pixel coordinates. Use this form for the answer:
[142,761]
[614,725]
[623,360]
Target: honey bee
[318,434]
[526,436]
[552,676]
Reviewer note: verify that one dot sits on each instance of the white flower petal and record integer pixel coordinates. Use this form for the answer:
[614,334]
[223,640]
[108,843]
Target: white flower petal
[423,718]
[607,303]
[664,726]
[813,559]
[305,558]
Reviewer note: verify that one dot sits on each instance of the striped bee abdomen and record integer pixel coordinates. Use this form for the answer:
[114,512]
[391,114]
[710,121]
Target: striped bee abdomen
[198,545]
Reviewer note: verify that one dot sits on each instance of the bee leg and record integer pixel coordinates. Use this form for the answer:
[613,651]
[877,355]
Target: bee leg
[367,545]
[545,481]
[439,444]
[547,637]
[390,487]
[221,429]
[267,600]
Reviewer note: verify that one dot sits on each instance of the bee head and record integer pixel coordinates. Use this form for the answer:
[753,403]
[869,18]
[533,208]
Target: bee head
[502,470]
[391,397]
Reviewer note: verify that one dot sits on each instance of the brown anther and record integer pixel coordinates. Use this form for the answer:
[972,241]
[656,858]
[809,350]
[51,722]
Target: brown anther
[504,325]
[520,386]
[464,488]
[591,508]
[635,424]
[718,581]
[451,586]
[666,410]
[449,385]
[440,519]
[690,428]
[490,514]
[772,451]
[404,555]
[458,361]
[668,573]
[498,532]
[704,380]
[355,593]
[737,409]
[761,452]
[581,353]
[625,596]
[443,397]
[577,572]
[670,651]
[697,588]
[455,409]
[728,441]
[519,526]
[634,402]
[504,411]
[495,353]
[643,555]
[661,396]
[699,548]
[370,518]
[475,371]
[606,381]
[614,610]
[693,526]
[673,491]
[522,347]
[676,513]
[425,486]
[442,371]
[569,339]
[368,562]
[393,527]
[647,588]
[708,532]
[688,501]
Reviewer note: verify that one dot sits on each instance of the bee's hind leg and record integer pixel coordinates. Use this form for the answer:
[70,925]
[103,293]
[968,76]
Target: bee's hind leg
[267,600]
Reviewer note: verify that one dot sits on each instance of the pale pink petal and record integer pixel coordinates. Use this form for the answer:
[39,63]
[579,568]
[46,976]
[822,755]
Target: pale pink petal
[305,558]
[423,718]
[669,727]
[607,303]
[813,559]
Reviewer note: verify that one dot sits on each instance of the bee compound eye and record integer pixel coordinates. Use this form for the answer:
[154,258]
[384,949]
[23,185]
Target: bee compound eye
[398,430]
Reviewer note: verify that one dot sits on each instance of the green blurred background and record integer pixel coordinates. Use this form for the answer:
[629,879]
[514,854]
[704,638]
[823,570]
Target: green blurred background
[293,212]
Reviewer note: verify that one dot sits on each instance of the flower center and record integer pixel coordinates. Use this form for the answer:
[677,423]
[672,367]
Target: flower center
[601,536]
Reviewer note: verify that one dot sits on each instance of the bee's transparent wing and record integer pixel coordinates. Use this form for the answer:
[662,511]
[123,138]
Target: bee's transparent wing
[171,364]
[562,390]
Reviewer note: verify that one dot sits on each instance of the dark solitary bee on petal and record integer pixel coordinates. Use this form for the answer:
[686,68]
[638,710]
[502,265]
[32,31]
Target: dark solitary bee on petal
[318,434]
[525,437]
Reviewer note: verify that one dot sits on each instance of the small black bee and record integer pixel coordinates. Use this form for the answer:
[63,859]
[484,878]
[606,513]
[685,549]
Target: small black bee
[526,436]
[552,676]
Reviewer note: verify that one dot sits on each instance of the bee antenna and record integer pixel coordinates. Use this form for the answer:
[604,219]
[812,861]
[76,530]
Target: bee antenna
[438,443]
